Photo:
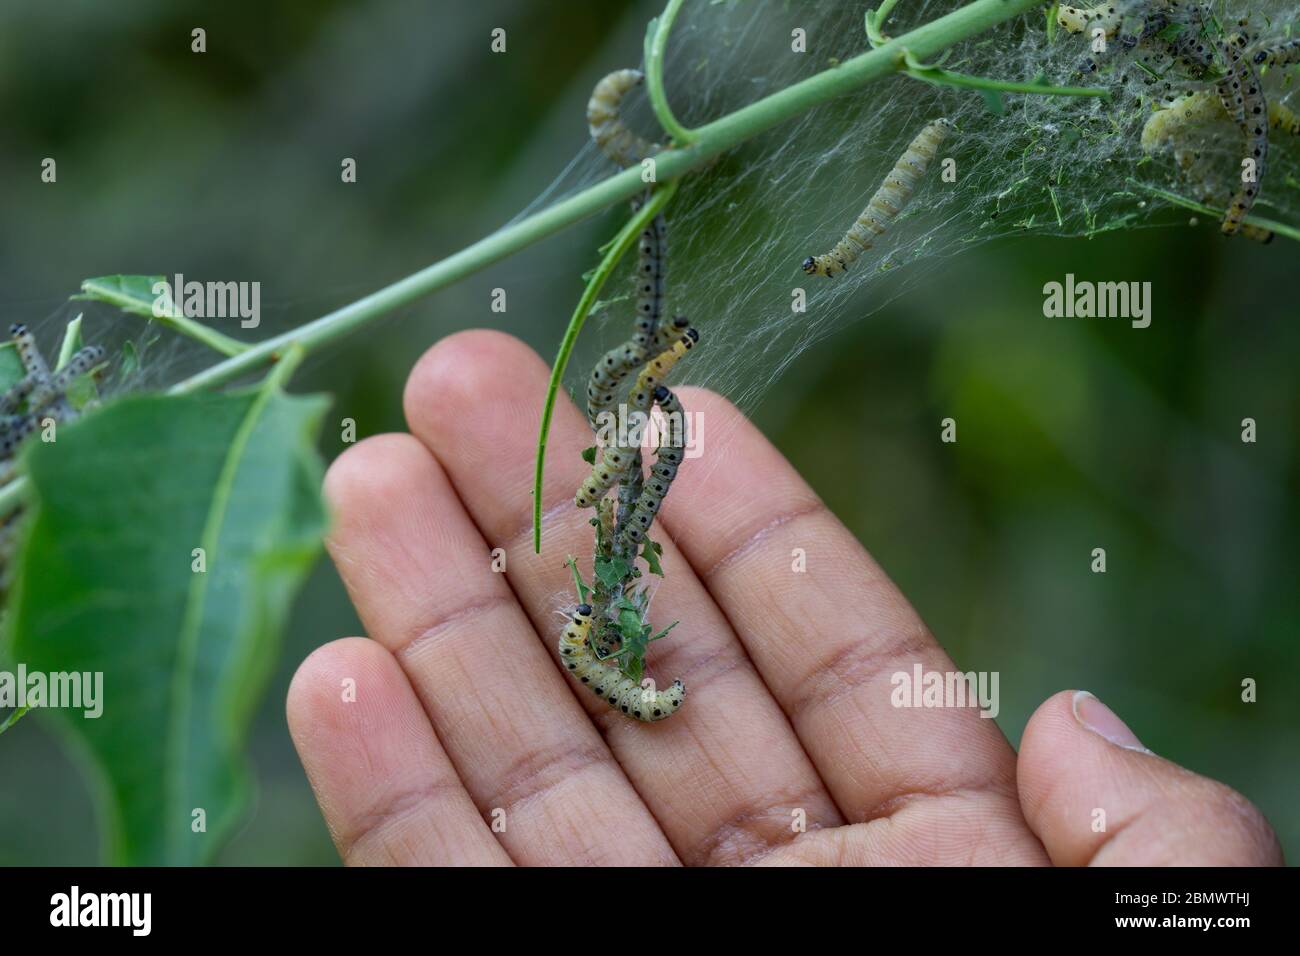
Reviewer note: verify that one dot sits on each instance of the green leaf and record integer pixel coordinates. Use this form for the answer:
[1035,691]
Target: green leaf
[630,625]
[993,102]
[1170,33]
[11,366]
[132,294]
[650,552]
[589,455]
[81,390]
[105,585]
[135,294]
[71,343]
[578,584]
[612,571]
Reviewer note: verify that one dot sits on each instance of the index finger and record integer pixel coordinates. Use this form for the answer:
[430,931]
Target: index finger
[829,634]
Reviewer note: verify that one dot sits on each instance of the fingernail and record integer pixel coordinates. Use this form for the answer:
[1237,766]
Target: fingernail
[1101,720]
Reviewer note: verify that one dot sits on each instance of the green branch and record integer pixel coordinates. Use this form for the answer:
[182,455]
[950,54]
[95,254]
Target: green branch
[929,73]
[111,290]
[707,142]
[614,252]
[13,718]
[1280,228]
[656,42]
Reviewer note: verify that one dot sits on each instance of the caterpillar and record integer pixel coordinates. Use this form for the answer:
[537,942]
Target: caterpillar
[885,204]
[667,460]
[13,429]
[1284,54]
[620,692]
[1243,98]
[1078,19]
[615,461]
[54,388]
[655,370]
[16,395]
[614,366]
[652,248]
[621,361]
[608,131]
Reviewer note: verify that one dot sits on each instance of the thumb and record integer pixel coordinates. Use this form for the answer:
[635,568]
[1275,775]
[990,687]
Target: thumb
[1094,795]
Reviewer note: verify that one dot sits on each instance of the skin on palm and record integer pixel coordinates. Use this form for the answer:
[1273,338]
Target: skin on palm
[788,719]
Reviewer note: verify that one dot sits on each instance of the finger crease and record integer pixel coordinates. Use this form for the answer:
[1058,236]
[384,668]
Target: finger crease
[430,632]
[753,538]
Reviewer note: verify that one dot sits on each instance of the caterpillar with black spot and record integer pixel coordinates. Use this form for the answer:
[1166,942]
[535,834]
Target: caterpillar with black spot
[615,461]
[667,460]
[610,133]
[1107,16]
[622,360]
[622,693]
[887,202]
[1243,98]
[54,389]
[1284,54]
[652,249]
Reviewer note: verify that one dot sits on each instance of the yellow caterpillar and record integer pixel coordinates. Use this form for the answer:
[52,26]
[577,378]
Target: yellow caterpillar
[606,124]
[622,693]
[614,460]
[889,199]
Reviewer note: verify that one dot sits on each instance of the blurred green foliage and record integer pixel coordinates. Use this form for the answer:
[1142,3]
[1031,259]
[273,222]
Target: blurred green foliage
[1072,433]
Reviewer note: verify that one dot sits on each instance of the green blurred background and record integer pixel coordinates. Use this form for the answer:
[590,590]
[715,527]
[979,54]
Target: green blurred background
[1073,434]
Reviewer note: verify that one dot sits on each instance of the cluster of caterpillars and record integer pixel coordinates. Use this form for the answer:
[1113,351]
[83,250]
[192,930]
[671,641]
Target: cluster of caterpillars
[1184,34]
[40,395]
[594,645]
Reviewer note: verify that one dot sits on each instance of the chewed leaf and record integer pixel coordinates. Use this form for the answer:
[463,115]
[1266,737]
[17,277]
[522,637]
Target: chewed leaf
[650,552]
[612,571]
[175,588]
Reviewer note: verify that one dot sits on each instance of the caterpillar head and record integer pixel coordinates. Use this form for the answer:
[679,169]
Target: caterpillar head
[17,329]
[584,610]
[810,266]
[661,394]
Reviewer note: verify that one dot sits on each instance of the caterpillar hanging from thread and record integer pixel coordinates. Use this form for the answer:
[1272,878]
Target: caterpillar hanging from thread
[622,693]
[622,360]
[610,133]
[615,461]
[667,460]
[1243,98]
[887,202]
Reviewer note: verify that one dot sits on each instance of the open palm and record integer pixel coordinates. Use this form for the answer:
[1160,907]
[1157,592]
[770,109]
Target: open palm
[454,736]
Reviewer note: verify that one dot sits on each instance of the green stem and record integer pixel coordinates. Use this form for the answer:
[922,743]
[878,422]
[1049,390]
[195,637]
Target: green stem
[614,252]
[1280,228]
[656,42]
[876,20]
[709,141]
[941,77]
[71,342]
[13,718]
[174,319]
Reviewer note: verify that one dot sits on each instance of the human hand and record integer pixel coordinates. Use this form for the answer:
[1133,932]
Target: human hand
[466,743]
